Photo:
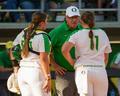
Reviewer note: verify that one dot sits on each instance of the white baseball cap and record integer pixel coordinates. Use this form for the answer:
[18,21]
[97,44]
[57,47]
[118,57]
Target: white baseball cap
[72,11]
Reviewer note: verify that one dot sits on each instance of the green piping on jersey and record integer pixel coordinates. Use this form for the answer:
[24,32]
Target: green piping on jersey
[46,43]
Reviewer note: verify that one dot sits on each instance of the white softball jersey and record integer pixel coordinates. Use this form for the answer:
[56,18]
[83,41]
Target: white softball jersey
[30,74]
[90,80]
[39,43]
[83,52]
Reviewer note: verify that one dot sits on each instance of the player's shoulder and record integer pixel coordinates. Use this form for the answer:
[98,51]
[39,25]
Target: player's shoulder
[40,33]
[21,33]
[99,31]
[74,32]
[43,34]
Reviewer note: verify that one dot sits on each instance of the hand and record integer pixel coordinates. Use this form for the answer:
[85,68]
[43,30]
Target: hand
[2,69]
[59,70]
[15,69]
[47,85]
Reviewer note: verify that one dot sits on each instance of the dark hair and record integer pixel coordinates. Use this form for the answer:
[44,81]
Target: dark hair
[41,17]
[88,18]
[37,17]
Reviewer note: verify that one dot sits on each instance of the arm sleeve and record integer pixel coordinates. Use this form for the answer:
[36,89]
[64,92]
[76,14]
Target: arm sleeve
[18,38]
[71,39]
[108,46]
[44,44]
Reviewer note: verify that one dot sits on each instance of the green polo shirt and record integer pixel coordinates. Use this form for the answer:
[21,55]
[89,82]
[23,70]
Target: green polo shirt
[58,37]
[5,60]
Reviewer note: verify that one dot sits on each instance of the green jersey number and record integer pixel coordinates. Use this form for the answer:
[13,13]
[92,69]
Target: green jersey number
[96,41]
[30,43]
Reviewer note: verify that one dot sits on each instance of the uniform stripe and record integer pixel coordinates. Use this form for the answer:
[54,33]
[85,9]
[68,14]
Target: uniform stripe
[46,43]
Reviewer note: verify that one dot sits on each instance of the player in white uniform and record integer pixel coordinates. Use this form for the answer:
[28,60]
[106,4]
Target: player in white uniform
[34,72]
[92,48]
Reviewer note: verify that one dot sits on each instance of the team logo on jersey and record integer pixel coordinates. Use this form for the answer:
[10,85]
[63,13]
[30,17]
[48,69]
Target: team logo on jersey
[83,72]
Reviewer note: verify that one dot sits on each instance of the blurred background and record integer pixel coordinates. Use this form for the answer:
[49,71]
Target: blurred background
[15,15]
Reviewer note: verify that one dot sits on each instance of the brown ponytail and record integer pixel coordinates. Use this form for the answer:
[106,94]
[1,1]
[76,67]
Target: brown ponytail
[88,18]
[25,49]
[37,17]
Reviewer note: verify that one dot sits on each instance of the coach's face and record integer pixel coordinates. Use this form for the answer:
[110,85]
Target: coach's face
[73,21]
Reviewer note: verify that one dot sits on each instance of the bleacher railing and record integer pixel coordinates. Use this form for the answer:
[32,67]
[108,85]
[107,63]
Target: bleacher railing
[102,24]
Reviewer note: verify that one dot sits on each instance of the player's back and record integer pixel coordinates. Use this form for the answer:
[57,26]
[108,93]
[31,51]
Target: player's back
[83,46]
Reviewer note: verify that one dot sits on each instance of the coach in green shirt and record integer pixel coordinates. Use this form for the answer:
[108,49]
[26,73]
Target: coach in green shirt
[5,66]
[65,83]
[5,62]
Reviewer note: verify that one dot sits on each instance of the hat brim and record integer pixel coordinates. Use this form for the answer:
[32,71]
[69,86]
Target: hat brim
[71,15]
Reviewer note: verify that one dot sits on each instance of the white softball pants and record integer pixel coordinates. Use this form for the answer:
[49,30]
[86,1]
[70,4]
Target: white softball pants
[31,80]
[91,81]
